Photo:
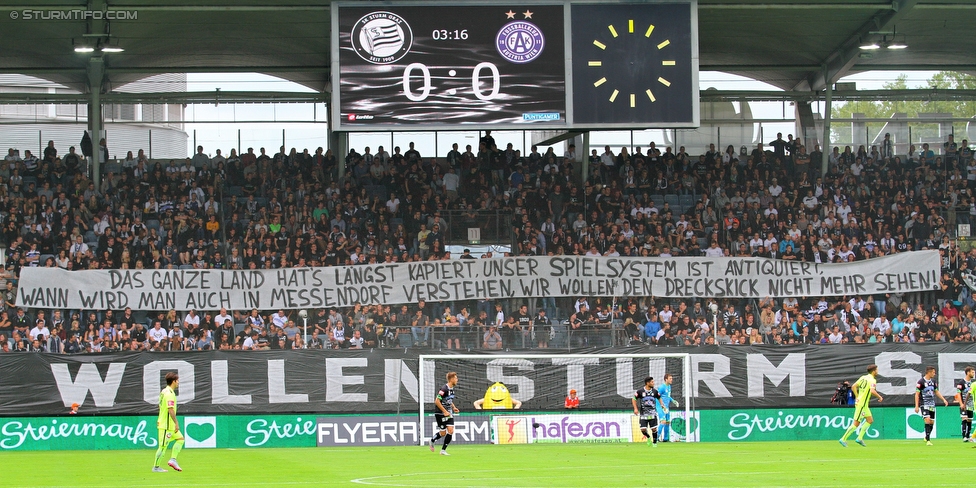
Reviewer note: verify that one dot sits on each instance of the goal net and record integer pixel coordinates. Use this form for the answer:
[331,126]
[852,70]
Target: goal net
[523,397]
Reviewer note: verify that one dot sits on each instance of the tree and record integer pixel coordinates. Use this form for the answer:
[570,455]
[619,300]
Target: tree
[843,132]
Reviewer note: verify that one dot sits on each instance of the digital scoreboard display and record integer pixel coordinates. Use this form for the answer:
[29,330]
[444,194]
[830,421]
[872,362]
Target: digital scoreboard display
[552,65]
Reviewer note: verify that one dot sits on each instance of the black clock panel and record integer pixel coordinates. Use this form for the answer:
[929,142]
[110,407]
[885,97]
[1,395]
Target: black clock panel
[412,65]
[632,64]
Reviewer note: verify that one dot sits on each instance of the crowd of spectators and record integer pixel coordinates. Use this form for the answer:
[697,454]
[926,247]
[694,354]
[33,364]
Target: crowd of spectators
[297,209]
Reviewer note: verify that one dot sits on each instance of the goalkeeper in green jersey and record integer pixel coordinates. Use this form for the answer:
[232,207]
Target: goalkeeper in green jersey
[864,388]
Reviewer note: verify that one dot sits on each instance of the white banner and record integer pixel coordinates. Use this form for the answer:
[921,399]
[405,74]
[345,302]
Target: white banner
[555,276]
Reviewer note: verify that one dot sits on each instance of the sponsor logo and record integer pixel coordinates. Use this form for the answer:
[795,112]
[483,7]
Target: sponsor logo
[678,424]
[381,37]
[915,425]
[200,432]
[512,430]
[392,430]
[260,431]
[355,117]
[39,432]
[520,42]
[744,425]
[541,116]
[562,428]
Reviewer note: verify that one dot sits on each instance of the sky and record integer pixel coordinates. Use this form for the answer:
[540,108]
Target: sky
[222,126]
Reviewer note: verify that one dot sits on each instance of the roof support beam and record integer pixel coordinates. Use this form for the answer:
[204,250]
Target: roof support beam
[845,56]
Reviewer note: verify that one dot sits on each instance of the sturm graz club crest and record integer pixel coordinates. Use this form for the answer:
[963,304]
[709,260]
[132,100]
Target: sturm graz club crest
[520,42]
[381,37]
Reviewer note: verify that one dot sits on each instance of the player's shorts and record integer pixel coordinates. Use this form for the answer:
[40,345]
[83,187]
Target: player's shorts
[443,421]
[167,436]
[928,413]
[664,417]
[966,414]
[648,422]
[862,412]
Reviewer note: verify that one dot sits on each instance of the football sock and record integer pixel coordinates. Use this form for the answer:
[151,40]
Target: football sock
[163,442]
[644,431]
[654,435]
[967,428]
[928,431]
[447,440]
[863,430]
[850,430]
[177,446]
[159,454]
[436,436]
[665,432]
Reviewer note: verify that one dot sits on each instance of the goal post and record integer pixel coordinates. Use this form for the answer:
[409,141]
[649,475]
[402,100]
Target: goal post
[539,383]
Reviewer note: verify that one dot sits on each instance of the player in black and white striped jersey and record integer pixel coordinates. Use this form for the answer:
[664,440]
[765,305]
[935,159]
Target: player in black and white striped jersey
[445,413]
[965,400]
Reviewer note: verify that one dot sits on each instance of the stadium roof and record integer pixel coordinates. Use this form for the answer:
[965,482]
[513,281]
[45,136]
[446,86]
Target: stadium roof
[791,44]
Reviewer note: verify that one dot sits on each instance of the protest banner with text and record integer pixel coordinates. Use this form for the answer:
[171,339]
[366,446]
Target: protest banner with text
[552,276]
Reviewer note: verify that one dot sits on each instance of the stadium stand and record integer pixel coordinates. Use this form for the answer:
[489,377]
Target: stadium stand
[294,209]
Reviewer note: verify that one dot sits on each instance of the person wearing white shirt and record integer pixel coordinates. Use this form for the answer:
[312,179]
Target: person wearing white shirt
[222,317]
[451,181]
[836,336]
[40,329]
[570,155]
[755,243]
[714,251]
[157,333]
[810,201]
[279,319]
[843,211]
[250,342]
[191,319]
[775,189]
[881,324]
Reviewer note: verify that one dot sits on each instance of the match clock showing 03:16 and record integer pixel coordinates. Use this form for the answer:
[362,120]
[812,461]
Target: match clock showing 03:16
[445,65]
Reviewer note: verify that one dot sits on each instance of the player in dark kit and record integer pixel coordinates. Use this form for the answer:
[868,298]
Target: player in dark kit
[926,390]
[445,413]
[965,400]
[645,408]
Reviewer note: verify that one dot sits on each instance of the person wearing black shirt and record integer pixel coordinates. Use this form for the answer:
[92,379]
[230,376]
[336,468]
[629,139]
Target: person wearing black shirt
[444,413]
[524,321]
[645,404]
[542,326]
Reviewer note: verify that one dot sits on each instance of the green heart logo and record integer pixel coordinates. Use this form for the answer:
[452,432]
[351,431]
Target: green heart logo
[916,423]
[200,432]
[678,425]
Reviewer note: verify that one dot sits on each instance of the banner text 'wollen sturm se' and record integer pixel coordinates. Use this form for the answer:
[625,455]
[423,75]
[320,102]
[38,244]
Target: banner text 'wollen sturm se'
[387,381]
[557,276]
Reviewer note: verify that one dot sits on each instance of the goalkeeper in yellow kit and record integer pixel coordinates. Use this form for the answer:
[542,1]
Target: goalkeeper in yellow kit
[169,428]
[864,389]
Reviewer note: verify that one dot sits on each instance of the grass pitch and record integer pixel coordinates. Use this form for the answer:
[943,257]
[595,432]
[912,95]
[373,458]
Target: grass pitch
[882,463]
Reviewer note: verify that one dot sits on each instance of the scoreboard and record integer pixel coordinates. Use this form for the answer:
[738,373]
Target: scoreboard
[526,65]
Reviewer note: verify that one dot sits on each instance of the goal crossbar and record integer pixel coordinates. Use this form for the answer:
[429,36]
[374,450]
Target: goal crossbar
[425,389]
